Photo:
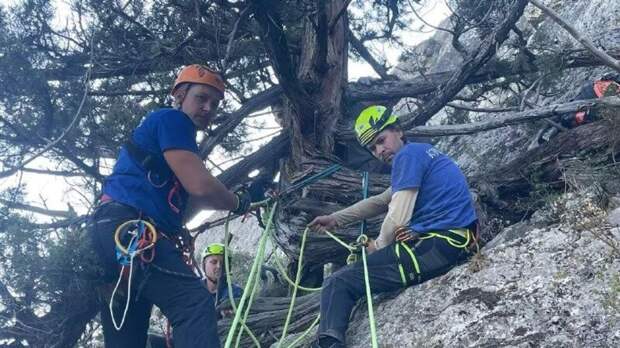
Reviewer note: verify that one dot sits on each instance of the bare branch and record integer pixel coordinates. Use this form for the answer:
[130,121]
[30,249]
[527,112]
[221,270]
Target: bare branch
[604,57]
[427,23]
[364,53]
[504,121]
[52,172]
[515,118]
[276,44]
[340,13]
[260,101]
[476,109]
[231,37]
[73,221]
[275,149]
[38,210]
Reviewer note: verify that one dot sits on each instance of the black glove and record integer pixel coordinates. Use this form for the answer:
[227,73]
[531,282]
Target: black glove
[258,187]
[244,200]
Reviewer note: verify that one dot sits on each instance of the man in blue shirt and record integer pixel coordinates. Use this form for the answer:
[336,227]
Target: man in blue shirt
[428,229]
[157,180]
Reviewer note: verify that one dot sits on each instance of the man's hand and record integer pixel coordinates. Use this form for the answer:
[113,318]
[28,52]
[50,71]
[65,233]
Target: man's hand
[371,246]
[323,223]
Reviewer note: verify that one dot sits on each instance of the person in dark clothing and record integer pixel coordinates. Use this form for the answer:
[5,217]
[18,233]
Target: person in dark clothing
[137,228]
[608,85]
[429,227]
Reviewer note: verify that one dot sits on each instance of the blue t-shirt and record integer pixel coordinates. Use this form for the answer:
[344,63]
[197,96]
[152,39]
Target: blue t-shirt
[443,200]
[131,184]
[223,293]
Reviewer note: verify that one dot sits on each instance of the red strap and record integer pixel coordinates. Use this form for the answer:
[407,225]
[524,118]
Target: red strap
[580,117]
[105,198]
[174,193]
[601,86]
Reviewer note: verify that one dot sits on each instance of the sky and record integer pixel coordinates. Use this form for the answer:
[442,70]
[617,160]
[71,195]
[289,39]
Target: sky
[57,192]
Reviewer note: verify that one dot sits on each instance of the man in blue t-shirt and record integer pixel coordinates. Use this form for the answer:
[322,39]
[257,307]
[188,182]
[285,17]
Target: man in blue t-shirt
[429,225]
[158,180]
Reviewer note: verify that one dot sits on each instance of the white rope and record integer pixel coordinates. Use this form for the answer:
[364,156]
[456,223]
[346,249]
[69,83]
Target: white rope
[120,277]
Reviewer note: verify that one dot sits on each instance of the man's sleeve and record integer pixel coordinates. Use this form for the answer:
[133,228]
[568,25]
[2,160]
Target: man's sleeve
[237,291]
[409,169]
[364,209]
[176,131]
[399,214]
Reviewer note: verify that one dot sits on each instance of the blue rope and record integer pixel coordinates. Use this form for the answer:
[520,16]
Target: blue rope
[307,181]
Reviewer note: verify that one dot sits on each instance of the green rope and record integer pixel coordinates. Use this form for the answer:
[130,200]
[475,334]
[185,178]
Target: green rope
[282,272]
[260,257]
[253,274]
[340,241]
[309,180]
[297,279]
[298,339]
[371,316]
[229,280]
[362,240]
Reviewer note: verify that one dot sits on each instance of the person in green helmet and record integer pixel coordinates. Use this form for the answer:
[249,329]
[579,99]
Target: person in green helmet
[429,227]
[212,261]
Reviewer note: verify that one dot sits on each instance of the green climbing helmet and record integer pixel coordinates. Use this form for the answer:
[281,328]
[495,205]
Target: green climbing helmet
[213,249]
[371,121]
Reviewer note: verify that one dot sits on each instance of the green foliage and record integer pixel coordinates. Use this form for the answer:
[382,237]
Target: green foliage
[47,274]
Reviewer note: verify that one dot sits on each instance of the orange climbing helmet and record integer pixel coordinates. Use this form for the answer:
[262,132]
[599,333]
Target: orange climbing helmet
[197,73]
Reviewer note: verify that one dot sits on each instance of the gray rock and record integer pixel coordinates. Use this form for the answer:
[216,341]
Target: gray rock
[614,217]
[546,288]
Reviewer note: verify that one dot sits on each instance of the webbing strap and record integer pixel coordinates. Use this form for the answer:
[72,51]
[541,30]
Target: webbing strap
[400,265]
[414,260]
[461,232]
[150,162]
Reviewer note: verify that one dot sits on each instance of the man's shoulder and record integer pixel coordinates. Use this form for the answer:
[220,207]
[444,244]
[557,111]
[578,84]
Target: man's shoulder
[170,122]
[166,115]
[414,149]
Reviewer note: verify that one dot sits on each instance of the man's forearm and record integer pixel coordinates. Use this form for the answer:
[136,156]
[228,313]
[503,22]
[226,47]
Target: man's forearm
[399,214]
[364,209]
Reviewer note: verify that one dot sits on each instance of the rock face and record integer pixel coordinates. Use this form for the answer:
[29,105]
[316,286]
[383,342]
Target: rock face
[596,20]
[535,287]
[246,235]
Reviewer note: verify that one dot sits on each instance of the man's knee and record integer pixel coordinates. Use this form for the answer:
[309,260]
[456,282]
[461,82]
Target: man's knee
[341,278]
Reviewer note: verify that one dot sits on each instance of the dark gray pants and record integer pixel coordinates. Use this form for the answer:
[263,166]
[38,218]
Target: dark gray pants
[343,288]
[182,297]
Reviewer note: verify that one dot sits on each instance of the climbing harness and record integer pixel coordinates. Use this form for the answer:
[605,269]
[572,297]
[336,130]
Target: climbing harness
[158,173]
[405,236]
[142,238]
